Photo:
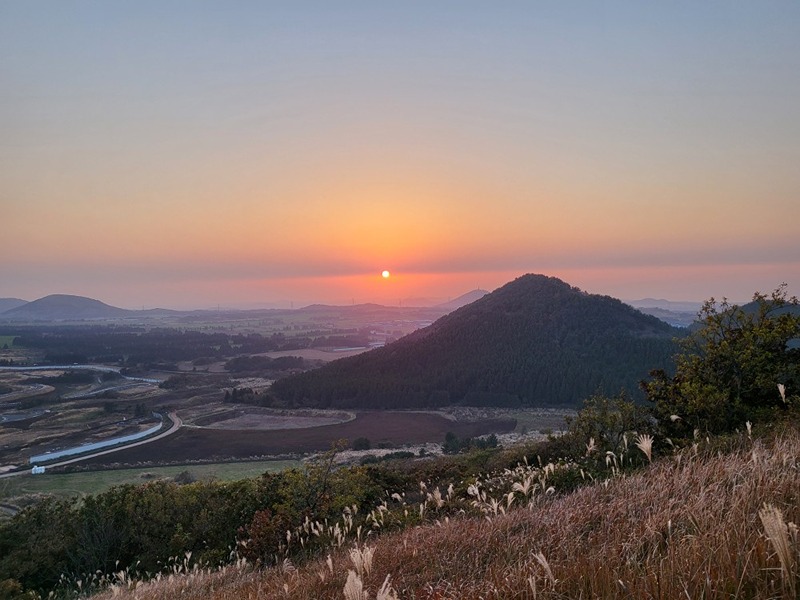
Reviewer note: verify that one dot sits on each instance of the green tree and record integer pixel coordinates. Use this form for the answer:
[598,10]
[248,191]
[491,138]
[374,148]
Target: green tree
[606,420]
[319,492]
[452,444]
[731,365]
[35,544]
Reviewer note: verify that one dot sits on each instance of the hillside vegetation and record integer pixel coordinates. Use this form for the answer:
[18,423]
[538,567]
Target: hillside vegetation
[536,341]
[697,496]
[700,524]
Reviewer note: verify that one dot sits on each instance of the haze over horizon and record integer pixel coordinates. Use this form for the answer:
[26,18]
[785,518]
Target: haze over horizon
[185,154]
[417,302]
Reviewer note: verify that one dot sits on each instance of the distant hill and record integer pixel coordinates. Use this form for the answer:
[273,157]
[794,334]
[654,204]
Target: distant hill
[680,306]
[462,300]
[9,303]
[64,307]
[536,341]
[674,318]
[676,313]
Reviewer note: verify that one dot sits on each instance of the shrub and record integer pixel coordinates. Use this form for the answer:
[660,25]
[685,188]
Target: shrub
[731,366]
[361,443]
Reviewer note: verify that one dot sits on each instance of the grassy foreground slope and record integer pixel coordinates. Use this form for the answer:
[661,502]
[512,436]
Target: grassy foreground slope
[699,524]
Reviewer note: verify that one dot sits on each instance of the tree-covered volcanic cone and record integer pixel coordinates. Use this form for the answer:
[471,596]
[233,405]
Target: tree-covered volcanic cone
[536,341]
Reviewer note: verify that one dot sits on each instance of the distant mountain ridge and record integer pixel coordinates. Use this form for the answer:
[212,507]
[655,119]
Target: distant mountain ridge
[9,303]
[463,300]
[676,313]
[536,341]
[671,305]
[64,306]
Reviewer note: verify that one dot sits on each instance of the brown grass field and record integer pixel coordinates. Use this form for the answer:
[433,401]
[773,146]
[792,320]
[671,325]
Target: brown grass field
[395,428]
[700,524]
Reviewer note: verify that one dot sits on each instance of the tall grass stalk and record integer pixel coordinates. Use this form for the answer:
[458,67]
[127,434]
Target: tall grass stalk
[644,442]
[354,587]
[778,533]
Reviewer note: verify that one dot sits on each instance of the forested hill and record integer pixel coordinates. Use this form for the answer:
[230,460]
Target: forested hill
[536,341]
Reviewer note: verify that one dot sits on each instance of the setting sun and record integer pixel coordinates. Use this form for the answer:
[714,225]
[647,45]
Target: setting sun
[385,274]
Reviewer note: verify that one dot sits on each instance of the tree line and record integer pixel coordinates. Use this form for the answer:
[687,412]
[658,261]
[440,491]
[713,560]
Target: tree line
[139,347]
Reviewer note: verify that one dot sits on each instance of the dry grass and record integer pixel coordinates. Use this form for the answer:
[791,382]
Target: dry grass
[691,526]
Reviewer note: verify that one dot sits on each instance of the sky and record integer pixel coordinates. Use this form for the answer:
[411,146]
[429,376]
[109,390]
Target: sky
[188,154]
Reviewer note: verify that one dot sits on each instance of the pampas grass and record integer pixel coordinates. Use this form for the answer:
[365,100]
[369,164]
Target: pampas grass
[644,442]
[362,560]
[354,588]
[699,524]
[778,533]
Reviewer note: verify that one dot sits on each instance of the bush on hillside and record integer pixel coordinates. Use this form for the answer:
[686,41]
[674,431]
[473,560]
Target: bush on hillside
[731,367]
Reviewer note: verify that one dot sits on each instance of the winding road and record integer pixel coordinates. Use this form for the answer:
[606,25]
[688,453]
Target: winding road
[176,424]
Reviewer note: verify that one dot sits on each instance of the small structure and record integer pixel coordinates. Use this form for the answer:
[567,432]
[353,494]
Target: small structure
[37,470]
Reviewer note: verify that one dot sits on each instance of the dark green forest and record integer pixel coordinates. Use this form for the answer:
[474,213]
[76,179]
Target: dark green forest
[537,341]
[132,347]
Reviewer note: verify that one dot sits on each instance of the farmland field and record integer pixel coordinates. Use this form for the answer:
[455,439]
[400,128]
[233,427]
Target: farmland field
[381,427]
[269,419]
[94,482]
[317,353]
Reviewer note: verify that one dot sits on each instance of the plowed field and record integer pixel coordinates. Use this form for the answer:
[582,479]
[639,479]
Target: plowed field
[396,428]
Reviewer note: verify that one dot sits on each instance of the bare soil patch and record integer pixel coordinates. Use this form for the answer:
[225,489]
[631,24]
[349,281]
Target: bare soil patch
[266,419]
[316,353]
[381,427]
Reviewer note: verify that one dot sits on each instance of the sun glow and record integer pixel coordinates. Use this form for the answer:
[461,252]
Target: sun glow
[385,274]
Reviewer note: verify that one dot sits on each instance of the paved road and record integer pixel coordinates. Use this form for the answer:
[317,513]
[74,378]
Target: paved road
[176,424]
[36,389]
[102,368]
[22,417]
[95,393]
